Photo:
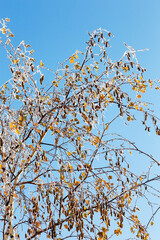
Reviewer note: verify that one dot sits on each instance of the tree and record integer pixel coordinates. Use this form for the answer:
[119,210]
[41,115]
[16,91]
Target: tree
[54,128]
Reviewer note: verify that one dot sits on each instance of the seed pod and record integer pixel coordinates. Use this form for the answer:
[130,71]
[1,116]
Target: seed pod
[1,142]
[131,63]
[41,79]
[32,68]
[12,71]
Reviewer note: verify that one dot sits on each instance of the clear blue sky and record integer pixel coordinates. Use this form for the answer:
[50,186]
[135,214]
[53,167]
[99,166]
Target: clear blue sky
[57,28]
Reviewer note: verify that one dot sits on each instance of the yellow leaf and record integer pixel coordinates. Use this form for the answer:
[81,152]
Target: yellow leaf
[3,30]
[7,19]
[83,174]
[126,195]
[11,125]
[5,193]
[70,185]
[66,226]
[152,223]
[107,127]
[138,96]
[20,118]
[145,104]
[83,71]
[62,177]
[76,56]
[16,61]
[69,153]
[128,118]
[117,231]
[135,89]
[143,90]
[31,146]
[41,63]
[17,131]
[87,202]
[72,60]
[51,127]
[22,186]
[38,130]
[77,182]
[15,195]
[136,107]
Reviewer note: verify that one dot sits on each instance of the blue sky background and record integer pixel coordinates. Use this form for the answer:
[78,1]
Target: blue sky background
[57,28]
